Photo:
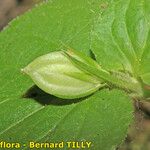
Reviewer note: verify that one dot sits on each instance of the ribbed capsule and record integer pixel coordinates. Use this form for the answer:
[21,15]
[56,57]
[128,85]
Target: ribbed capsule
[55,74]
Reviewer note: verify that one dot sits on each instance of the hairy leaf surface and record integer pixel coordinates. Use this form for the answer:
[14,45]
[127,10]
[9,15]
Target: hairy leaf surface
[118,34]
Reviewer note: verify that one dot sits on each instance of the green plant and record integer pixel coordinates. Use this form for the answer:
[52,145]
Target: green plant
[115,32]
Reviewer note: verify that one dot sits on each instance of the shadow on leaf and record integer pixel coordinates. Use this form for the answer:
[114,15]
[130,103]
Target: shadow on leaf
[43,98]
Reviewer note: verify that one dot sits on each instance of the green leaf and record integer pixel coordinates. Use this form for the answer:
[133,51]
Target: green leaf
[103,124]
[112,30]
[121,35]
[55,74]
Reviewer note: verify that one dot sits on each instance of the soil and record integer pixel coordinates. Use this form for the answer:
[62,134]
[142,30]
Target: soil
[9,9]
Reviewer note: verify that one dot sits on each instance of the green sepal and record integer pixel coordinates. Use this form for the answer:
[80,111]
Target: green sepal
[118,79]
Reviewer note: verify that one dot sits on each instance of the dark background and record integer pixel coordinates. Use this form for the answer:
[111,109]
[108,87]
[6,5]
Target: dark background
[9,9]
[139,133]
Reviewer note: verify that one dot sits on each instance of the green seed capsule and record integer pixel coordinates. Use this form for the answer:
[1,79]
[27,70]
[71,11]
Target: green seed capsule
[55,74]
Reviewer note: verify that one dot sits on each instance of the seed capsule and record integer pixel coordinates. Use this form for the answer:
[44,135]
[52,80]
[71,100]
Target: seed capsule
[55,74]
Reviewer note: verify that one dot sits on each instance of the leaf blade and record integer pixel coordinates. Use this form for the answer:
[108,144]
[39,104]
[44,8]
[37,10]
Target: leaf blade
[90,112]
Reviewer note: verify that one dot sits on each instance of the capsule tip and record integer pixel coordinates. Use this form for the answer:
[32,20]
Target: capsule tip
[24,71]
